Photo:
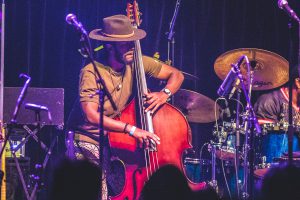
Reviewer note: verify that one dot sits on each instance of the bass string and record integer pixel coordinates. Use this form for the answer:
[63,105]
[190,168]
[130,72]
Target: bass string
[151,158]
[141,109]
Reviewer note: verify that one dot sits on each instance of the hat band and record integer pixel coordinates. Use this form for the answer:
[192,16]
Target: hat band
[119,36]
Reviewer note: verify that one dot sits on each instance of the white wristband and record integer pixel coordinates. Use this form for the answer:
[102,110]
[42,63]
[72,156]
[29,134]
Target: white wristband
[131,132]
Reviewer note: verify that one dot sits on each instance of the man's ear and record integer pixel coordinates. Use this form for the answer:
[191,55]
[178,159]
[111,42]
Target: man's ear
[297,83]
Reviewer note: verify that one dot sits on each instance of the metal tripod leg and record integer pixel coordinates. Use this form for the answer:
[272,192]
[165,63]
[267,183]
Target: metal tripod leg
[48,154]
[19,171]
[213,183]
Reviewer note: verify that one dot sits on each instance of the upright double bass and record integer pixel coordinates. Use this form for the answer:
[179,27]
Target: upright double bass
[167,122]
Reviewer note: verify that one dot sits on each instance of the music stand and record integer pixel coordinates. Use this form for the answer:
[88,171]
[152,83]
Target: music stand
[53,100]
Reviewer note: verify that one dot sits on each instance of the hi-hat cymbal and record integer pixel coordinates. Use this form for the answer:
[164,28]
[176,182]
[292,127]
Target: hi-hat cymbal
[270,70]
[196,107]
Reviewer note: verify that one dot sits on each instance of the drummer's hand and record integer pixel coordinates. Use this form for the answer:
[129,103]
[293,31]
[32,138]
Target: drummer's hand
[145,137]
[154,100]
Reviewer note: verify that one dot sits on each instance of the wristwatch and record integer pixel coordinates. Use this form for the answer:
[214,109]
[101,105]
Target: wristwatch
[167,91]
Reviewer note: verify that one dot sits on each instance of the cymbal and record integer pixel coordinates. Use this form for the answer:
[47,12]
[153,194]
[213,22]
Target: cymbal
[196,107]
[270,70]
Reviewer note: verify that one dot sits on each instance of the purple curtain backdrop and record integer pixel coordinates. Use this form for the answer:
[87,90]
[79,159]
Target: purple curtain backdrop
[40,43]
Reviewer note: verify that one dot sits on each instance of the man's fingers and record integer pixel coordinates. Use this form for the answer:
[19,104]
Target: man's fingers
[155,138]
[146,142]
[150,107]
[149,95]
[155,108]
[150,101]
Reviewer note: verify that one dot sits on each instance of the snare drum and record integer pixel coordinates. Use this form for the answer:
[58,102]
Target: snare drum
[227,151]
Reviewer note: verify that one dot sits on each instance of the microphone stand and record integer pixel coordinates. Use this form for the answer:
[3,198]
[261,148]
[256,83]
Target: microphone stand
[20,100]
[251,121]
[87,52]
[290,88]
[2,95]
[237,142]
[13,122]
[293,16]
[171,39]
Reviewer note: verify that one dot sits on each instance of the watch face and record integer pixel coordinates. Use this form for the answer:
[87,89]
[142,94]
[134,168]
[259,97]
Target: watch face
[167,91]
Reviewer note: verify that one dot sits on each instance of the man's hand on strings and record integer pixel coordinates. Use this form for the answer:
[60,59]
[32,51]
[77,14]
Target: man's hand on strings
[154,100]
[144,137]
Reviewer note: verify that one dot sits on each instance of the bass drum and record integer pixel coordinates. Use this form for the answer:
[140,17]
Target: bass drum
[200,171]
[197,170]
[273,145]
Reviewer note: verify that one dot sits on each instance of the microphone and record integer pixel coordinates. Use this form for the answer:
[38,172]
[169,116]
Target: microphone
[230,81]
[235,86]
[72,20]
[227,110]
[35,107]
[283,4]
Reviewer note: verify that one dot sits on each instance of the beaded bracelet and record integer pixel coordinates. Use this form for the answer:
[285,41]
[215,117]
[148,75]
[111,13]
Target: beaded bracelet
[125,127]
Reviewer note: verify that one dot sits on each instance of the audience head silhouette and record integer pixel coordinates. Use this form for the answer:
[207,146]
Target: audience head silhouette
[166,183]
[282,183]
[78,179]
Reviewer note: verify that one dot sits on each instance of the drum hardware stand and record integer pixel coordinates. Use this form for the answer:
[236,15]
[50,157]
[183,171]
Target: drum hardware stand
[250,121]
[212,147]
[250,118]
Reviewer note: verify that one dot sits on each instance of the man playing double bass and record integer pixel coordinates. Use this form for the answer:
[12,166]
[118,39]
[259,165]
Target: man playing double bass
[116,69]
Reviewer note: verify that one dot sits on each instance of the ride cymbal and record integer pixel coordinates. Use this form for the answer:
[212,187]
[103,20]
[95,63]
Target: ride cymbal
[196,107]
[270,70]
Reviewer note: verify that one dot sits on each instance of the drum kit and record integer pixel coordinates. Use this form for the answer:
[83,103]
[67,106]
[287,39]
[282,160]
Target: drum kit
[269,71]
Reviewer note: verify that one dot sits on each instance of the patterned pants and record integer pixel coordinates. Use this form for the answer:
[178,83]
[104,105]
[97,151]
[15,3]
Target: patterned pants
[112,173]
[89,151]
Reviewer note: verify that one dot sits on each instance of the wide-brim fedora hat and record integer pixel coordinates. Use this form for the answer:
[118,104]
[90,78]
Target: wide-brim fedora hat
[117,28]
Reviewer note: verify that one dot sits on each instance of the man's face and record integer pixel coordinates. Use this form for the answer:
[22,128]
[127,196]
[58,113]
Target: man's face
[124,51]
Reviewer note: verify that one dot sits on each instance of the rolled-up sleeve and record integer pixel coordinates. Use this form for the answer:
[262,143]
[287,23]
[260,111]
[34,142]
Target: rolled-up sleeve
[87,86]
